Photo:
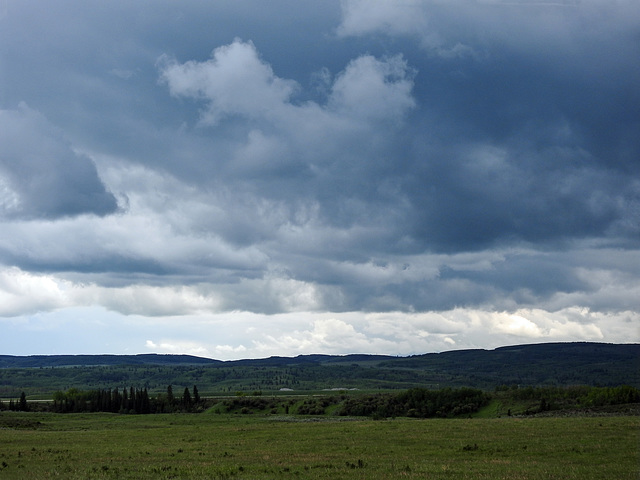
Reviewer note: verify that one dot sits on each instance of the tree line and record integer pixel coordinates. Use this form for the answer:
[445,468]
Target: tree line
[132,401]
[416,402]
[18,406]
[576,396]
[129,401]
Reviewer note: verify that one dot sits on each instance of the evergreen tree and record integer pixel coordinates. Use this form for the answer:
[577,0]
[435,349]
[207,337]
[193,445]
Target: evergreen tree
[125,400]
[116,400]
[186,398]
[22,405]
[132,399]
[196,395]
[106,401]
[146,404]
[138,403]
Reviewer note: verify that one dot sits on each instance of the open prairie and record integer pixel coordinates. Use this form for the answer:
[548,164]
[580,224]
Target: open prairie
[210,446]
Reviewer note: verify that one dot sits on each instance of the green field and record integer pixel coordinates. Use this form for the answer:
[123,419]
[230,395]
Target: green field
[188,446]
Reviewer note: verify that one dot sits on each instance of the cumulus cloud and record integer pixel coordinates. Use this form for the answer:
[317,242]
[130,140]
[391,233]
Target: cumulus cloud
[291,154]
[479,193]
[177,239]
[235,81]
[373,89]
[178,347]
[392,177]
[23,293]
[410,333]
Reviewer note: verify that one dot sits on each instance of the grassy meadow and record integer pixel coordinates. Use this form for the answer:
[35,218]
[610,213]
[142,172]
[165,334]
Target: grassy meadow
[233,446]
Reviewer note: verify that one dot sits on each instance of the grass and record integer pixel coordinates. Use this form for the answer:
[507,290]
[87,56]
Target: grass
[207,446]
[501,407]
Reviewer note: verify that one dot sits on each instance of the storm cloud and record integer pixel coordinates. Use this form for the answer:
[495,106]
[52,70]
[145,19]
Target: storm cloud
[40,174]
[357,176]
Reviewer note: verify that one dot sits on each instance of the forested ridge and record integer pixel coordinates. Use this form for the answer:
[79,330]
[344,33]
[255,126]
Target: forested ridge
[36,361]
[557,364]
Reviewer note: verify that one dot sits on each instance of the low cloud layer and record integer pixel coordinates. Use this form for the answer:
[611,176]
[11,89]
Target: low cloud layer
[339,177]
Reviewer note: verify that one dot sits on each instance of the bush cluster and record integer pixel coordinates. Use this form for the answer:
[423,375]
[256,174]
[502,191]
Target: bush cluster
[417,402]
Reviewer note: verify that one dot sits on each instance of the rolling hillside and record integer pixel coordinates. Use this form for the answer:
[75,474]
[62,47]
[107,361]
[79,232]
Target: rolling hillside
[595,364]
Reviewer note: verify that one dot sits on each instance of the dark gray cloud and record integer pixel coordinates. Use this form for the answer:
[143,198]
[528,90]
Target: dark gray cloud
[528,131]
[40,174]
[495,194]
[359,157]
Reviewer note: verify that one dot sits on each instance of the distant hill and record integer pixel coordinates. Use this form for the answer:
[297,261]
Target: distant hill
[36,361]
[537,364]
[561,364]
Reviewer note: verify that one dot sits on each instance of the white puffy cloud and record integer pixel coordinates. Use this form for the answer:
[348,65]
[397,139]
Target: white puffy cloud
[237,82]
[241,334]
[234,82]
[178,236]
[413,333]
[178,347]
[283,155]
[24,293]
[373,89]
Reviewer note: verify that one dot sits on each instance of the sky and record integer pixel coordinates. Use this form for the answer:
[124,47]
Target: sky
[241,179]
